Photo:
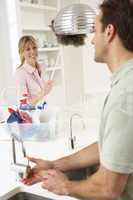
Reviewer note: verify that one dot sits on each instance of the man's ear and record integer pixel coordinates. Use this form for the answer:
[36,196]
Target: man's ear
[110,32]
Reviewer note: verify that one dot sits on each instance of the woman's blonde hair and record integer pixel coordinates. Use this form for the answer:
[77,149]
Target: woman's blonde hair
[22,44]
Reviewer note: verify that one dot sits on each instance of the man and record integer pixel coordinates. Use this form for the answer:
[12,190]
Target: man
[113,42]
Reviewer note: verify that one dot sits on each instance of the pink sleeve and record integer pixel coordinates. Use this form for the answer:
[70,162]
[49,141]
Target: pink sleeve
[42,70]
[21,83]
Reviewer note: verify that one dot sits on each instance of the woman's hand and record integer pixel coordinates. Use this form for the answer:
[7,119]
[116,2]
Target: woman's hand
[47,87]
[36,173]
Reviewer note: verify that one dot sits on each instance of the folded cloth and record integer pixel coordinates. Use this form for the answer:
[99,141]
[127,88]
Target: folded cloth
[19,117]
[25,117]
[14,117]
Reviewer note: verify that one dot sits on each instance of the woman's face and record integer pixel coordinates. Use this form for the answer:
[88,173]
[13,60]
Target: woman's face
[30,53]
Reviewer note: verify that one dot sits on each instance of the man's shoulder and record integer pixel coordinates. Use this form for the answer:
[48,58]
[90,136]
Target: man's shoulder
[127,81]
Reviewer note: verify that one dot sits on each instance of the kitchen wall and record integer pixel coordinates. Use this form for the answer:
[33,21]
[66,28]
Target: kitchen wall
[84,76]
[5,49]
[6,55]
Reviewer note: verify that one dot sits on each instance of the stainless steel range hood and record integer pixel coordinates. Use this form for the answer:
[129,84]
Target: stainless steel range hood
[75,19]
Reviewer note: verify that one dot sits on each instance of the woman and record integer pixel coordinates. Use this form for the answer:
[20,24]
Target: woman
[29,75]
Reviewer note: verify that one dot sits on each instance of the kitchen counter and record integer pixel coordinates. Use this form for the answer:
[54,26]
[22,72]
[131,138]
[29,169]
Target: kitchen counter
[34,189]
[46,150]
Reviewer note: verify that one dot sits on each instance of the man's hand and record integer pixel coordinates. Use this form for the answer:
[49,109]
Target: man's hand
[55,181]
[104,184]
[35,174]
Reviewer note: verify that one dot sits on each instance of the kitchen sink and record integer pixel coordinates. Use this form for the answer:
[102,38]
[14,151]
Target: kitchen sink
[81,174]
[27,196]
[78,174]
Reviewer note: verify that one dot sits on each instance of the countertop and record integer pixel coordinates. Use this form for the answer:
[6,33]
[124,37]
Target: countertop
[47,150]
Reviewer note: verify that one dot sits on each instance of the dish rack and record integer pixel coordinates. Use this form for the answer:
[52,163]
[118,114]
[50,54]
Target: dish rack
[40,131]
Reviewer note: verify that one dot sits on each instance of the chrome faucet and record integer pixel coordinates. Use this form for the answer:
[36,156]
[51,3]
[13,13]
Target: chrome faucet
[19,168]
[73,138]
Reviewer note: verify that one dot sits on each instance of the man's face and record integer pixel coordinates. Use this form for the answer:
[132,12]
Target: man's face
[99,40]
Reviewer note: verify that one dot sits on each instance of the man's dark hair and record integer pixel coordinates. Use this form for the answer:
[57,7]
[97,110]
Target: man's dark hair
[119,13]
[75,40]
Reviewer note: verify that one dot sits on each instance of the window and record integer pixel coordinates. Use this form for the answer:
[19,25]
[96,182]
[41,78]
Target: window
[11,6]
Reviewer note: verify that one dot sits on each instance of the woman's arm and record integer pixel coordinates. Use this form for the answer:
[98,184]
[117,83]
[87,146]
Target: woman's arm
[21,85]
[42,94]
[22,88]
[46,89]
